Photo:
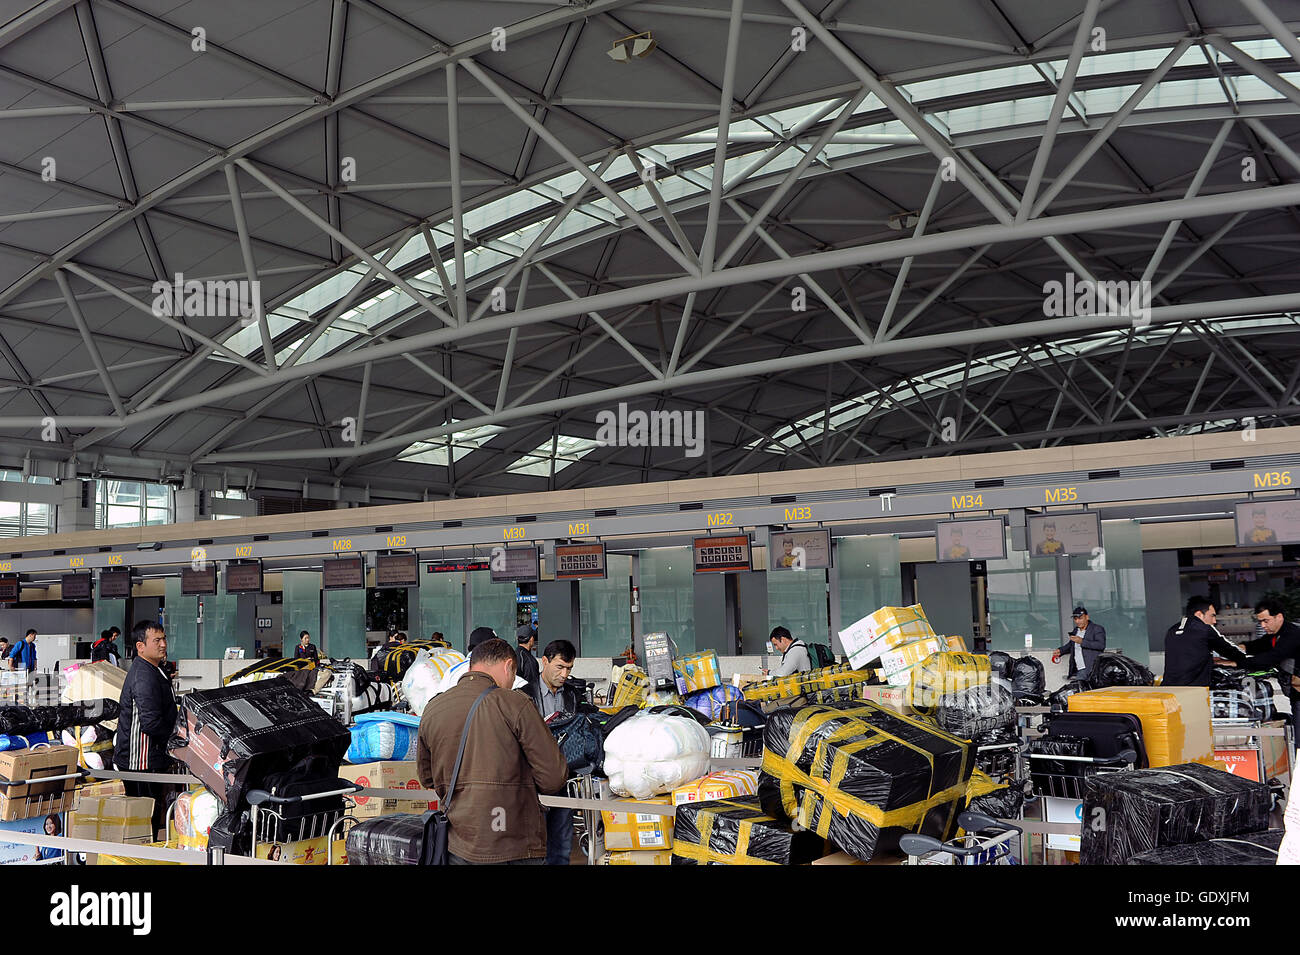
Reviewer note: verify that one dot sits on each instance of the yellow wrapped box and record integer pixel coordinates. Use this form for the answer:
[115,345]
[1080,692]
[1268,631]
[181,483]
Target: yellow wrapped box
[1176,725]
[199,858]
[797,684]
[724,784]
[955,643]
[631,688]
[112,819]
[944,673]
[868,639]
[908,655]
[697,671]
[110,787]
[660,857]
[639,830]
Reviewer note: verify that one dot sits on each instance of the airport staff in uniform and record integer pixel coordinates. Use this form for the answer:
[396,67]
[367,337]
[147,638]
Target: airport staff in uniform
[1192,643]
[1278,649]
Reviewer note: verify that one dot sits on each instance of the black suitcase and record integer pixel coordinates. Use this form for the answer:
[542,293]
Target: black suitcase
[397,839]
[299,818]
[1088,743]
[1111,733]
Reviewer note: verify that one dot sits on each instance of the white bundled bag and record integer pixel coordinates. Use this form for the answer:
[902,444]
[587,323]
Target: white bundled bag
[424,679]
[652,753]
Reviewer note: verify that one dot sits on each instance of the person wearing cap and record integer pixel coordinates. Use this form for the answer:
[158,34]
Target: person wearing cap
[479,635]
[1084,644]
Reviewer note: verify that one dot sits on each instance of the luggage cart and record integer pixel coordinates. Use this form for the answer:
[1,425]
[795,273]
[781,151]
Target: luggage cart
[1069,779]
[587,823]
[985,842]
[271,825]
[47,804]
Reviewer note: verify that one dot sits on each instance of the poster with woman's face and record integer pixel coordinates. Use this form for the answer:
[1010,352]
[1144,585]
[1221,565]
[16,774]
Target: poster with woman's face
[970,540]
[799,550]
[1064,534]
[1268,522]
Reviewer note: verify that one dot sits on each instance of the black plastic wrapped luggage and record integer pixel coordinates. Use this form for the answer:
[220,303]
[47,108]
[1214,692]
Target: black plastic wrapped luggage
[397,839]
[1252,848]
[235,737]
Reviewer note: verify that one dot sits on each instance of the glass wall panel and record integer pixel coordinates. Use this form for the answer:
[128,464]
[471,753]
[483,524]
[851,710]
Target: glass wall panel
[668,594]
[492,605]
[1114,589]
[301,607]
[442,607]
[1023,600]
[869,575]
[605,608]
[221,622]
[796,600]
[345,617]
[181,622]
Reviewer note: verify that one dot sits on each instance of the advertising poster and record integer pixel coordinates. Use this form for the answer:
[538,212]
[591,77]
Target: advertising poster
[799,550]
[970,540]
[1077,533]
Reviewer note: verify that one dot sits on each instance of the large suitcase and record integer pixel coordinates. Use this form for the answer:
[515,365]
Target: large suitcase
[397,839]
[234,737]
[1085,744]
[1110,733]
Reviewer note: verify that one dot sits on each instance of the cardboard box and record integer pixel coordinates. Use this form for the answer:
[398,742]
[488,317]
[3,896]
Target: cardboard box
[955,643]
[625,830]
[661,857]
[843,858]
[908,655]
[94,681]
[304,852]
[724,784]
[124,819]
[867,639]
[697,671]
[891,697]
[385,774]
[109,787]
[37,798]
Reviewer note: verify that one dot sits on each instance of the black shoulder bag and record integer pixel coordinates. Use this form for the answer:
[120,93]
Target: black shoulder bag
[437,827]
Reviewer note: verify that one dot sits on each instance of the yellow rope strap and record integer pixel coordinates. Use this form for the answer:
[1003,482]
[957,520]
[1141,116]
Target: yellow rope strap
[704,853]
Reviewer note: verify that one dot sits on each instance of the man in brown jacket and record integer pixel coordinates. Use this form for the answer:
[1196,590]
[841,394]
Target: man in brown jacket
[510,757]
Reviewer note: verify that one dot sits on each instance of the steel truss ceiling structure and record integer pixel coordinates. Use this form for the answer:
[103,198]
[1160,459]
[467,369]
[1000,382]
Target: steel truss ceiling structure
[829,227]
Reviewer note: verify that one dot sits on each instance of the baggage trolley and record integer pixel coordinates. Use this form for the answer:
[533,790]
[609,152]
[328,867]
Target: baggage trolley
[985,842]
[47,804]
[270,824]
[1069,779]
[587,823]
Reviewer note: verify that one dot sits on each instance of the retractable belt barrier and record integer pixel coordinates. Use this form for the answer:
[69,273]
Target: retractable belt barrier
[155,853]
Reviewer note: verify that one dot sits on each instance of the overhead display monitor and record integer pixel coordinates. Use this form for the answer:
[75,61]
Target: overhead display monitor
[115,584]
[244,577]
[1074,533]
[76,586]
[580,562]
[397,570]
[455,566]
[199,583]
[514,565]
[343,573]
[980,539]
[1268,522]
[722,554]
[799,550]
[9,588]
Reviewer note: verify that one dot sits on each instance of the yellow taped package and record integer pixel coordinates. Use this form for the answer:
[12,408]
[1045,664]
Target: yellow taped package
[908,655]
[659,857]
[631,688]
[1176,725]
[956,643]
[739,832]
[945,673]
[890,697]
[111,787]
[724,784]
[639,830]
[107,859]
[851,772]
[797,684]
[697,671]
[112,819]
[865,640]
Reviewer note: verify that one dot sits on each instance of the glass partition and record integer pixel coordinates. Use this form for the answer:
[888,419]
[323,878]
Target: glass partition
[668,594]
[491,605]
[605,609]
[345,619]
[301,607]
[181,622]
[1023,600]
[221,622]
[796,600]
[1113,588]
[869,575]
[442,608]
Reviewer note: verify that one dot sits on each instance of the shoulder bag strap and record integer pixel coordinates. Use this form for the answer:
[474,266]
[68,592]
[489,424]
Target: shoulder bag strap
[460,753]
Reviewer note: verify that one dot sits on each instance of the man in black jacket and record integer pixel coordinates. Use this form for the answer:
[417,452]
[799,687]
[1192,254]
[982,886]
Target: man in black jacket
[552,694]
[1192,643]
[1084,644]
[1278,649]
[528,669]
[147,719]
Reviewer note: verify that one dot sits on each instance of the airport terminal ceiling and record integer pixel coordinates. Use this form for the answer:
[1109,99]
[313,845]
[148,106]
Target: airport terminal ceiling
[832,229]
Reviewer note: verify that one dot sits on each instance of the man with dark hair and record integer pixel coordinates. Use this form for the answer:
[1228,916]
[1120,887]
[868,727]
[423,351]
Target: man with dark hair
[306,648]
[22,656]
[552,695]
[794,653]
[479,635]
[510,757]
[4,647]
[147,718]
[103,649]
[1084,644]
[1191,644]
[1278,649]
[528,671]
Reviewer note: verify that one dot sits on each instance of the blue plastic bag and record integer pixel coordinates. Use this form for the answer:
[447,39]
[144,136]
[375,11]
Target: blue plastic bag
[381,735]
[711,701]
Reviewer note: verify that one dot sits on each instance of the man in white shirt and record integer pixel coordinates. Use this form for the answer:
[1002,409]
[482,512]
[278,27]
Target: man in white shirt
[1084,644]
[794,653]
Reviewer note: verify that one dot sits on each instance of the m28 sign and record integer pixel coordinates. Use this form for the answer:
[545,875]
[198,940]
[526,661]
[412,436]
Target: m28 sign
[721,554]
[580,562]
